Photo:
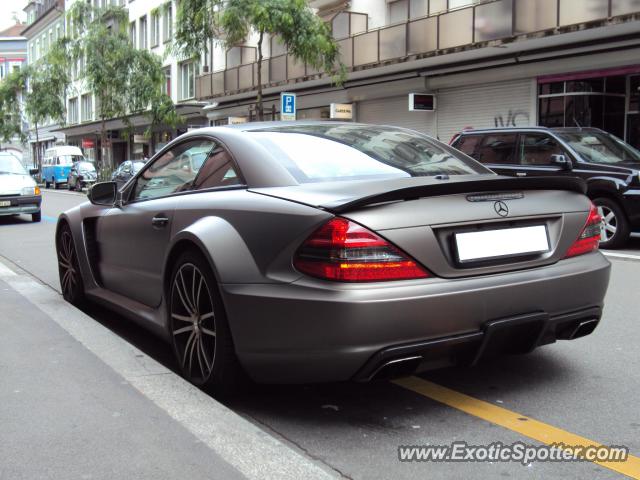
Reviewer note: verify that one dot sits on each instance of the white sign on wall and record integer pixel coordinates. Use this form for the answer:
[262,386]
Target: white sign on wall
[341,111]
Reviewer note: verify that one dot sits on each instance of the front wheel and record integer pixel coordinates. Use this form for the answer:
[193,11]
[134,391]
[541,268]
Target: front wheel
[36,217]
[199,329]
[68,269]
[615,230]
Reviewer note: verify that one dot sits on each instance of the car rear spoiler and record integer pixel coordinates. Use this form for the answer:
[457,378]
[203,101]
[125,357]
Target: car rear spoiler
[447,187]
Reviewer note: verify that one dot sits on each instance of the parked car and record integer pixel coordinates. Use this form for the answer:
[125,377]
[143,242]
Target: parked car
[82,175]
[57,163]
[125,171]
[19,192]
[610,167]
[321,251]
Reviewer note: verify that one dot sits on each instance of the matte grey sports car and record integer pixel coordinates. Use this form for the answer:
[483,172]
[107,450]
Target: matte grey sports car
[321,251]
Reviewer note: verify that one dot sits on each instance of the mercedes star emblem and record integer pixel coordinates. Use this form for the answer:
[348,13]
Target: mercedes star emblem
[501,209]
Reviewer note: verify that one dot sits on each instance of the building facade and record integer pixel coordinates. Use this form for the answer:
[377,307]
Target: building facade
[151,26]
[488,63]
[13,55]
[45,25]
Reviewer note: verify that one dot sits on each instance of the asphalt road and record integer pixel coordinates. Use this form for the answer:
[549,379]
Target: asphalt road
[587,388]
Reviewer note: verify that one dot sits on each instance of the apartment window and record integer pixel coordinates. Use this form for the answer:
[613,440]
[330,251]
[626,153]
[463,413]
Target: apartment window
[58,32]
[188,72]
[143,32]
[50,37]
[85,108]
[132,33]
[73,110]
[166,85]
[1,72]
[167,23]
[155,29]
[399,11]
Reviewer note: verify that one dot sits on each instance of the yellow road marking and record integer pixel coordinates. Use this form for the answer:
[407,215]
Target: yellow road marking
[540,431]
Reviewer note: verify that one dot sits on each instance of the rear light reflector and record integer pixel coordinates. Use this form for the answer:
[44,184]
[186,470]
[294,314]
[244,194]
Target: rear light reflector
[343,251]
[589,237]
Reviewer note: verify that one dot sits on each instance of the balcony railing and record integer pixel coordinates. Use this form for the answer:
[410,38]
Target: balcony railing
[490,20]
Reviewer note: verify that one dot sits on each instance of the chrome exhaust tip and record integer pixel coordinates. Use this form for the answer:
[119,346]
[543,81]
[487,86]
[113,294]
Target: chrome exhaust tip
[584,328]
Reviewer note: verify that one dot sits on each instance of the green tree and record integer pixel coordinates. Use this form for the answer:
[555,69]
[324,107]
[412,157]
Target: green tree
[12,87]
[48,81]
[305,35]
[125,80]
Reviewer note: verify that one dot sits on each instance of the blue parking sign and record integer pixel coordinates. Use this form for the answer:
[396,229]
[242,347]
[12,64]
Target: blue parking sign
[287,106]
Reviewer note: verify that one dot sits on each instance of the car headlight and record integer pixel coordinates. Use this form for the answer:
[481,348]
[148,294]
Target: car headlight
[31,191]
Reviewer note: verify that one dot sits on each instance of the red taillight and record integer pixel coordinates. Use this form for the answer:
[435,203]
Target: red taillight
[589,238]
[344,251]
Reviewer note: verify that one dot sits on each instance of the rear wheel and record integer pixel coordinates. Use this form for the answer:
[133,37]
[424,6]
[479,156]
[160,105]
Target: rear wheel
[46,184]
[615,228]
[199,329]
[53,182]
[68,269]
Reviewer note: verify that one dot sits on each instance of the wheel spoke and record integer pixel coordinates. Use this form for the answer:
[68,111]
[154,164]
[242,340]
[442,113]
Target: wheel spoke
[186,306]
[186,348]
[206,316]
[610,216]
[199,354]
[193,291]
[193,345]
[610,228]
[204,355]
[183,330]
[182,318]
[186,294]
[206,331]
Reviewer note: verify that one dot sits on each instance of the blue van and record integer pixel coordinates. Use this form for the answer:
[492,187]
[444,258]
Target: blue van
[57,164]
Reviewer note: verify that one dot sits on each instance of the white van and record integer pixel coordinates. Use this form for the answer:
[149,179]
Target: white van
[57,164]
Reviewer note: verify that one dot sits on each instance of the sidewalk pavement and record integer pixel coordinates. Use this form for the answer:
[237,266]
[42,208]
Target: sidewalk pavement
[77,401]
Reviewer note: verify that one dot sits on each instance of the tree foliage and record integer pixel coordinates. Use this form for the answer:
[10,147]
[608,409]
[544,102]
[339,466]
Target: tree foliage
[11,89]
[304,34]
[125,80]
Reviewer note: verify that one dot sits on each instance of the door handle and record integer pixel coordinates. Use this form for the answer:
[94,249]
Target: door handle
[521,174]
[159,221]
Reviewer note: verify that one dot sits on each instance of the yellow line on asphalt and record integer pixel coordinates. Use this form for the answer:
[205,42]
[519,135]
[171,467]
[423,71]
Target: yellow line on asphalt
[540,431]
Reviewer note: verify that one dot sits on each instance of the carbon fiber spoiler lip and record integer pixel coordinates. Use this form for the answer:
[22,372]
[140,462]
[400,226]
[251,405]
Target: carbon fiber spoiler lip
[447,187]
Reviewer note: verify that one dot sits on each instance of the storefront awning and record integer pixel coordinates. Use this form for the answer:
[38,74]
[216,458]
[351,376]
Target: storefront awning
[186,110]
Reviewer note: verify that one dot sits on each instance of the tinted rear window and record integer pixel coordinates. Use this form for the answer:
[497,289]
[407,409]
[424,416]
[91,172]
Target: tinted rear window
[322,153]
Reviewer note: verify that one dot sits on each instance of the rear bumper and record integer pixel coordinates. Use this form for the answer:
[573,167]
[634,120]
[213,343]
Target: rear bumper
[21,204]
[314,331]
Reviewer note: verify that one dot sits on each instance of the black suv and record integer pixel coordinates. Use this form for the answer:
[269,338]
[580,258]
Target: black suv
[610,167]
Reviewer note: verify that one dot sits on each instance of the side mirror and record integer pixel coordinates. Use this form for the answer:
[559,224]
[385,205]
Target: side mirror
[562,161]
[103,193]
[34,171]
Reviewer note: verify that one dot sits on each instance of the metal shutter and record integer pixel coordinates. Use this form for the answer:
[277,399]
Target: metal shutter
[501,104]
[395,111]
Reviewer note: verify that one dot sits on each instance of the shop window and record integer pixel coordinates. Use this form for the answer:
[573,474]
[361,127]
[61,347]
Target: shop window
[586,85]
[583,111]
[551,112]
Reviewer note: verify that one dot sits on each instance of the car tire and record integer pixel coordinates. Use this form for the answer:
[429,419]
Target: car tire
[199,328]
[615,226]
[68,268]
[36,217]
[46,184]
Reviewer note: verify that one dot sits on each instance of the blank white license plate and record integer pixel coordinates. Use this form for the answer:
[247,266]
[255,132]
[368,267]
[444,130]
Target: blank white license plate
[506,242]
[5,203]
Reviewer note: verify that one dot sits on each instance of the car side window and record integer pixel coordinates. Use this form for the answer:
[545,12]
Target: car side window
[537,148]
[497,148]
[469,144]
[217,171]
[169,173]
